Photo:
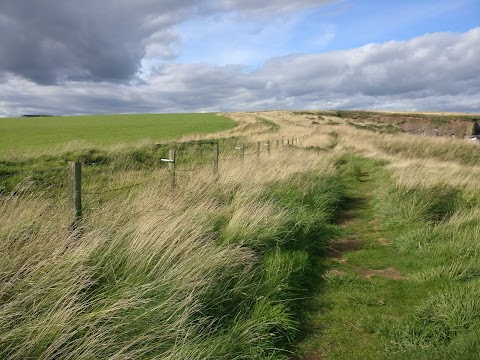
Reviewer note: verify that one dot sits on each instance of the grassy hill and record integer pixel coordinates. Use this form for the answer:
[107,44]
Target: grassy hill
[353,241]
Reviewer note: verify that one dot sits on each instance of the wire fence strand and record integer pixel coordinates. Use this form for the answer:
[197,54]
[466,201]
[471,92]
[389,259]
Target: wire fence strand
[189,170]
[230,158]
[33,171]
[91,172]
[116,189]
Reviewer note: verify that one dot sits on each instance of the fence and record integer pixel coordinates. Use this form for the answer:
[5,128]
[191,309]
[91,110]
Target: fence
[75,178]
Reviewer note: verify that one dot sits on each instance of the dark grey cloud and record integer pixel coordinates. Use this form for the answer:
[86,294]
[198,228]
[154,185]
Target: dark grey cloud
[438,71]
[53,41]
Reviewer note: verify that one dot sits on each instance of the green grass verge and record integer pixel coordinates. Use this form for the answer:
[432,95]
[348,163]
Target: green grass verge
[401,282]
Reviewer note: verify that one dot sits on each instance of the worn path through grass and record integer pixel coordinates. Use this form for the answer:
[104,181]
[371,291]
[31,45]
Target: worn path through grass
[360,277]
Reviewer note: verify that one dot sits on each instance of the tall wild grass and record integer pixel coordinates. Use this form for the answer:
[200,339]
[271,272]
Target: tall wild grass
[209,270]
[434,208]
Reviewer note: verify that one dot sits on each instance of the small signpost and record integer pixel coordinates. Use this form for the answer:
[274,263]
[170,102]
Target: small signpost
[172,159]
[242,150]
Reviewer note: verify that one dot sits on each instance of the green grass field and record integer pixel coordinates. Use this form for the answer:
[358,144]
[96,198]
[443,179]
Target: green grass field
[29,134]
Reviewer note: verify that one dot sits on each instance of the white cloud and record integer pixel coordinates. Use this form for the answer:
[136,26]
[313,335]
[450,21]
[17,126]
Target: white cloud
[53,41]
[266,8]
[437,71]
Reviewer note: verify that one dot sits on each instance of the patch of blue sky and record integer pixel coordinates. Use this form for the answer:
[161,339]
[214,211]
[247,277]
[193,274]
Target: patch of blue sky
[359,23]
[232,39]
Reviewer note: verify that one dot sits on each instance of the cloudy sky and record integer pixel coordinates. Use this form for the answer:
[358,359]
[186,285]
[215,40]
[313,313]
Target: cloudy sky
[156,56]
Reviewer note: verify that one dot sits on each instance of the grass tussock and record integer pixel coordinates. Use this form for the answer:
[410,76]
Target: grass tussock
[433,209]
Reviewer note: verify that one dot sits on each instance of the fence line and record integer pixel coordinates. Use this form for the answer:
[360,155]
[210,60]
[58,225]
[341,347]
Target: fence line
[75,172]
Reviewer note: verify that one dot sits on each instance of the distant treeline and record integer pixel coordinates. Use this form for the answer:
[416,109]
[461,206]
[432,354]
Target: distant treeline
[36,115]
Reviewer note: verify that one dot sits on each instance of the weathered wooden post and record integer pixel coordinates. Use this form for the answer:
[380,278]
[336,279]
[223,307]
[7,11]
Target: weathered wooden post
[172,160]
[75,191]
[172,155]
[259,144]
[242,150]
[268,146]
[215,159]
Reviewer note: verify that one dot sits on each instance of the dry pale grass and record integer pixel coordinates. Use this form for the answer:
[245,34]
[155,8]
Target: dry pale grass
[431,172]
[147,265]
[247,124]
[146,235]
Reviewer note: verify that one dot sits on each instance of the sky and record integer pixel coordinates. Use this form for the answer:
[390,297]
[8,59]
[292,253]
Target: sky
[68,57]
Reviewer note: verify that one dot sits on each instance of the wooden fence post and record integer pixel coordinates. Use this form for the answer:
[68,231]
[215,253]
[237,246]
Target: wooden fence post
[268,146]
[259,144]
[215,159]
[242,150]
[172,164]
[75,191]
[172,156]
